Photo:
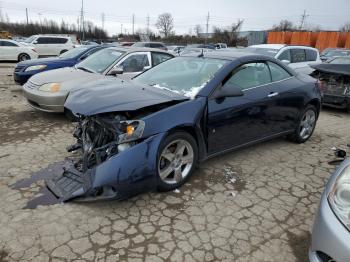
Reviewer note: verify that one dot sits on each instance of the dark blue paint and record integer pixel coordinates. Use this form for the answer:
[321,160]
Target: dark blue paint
[21,77]
[218,125]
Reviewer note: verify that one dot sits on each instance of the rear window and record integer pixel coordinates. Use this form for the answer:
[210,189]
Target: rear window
[311,55]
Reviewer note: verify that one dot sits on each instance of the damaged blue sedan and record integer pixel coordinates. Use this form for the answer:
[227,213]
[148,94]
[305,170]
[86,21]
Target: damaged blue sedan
[151,132]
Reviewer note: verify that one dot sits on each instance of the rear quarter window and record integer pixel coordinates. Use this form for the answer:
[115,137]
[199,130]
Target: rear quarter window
[298,55]
[311,55]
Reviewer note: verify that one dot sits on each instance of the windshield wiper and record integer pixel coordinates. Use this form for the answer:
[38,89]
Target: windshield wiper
[85,69]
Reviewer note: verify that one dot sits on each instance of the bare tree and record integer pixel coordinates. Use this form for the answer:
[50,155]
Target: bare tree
[228,36]
[198,30]
[345,28]
[284,25]
[165,24]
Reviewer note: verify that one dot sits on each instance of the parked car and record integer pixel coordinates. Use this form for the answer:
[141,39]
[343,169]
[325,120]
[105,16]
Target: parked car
[50,45]
[297,57]
[175,49]
[24,70]
[14,51]
[151,132]
[47,91]
[205,46]
[192,50]
[330,53]
[88,43]
[220,46]
[150,45]
[331,230]
[334,78]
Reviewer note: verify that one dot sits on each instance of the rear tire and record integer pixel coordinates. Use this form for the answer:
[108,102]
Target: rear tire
[23,57]
[306,125]
[177,159]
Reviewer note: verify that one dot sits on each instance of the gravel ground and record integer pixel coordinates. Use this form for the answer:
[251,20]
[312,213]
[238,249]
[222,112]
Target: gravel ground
[255,204]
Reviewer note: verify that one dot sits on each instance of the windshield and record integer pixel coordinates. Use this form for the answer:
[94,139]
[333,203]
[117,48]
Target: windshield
[183,75]
[341,61]
[30,39]
[100,61]
[263,51]
[73,52]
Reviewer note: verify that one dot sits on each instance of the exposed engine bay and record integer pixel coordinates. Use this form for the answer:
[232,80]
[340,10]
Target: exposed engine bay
[331,83]
[99,138]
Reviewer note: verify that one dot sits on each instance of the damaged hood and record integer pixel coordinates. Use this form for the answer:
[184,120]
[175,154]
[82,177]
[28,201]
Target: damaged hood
[116,95]
[341,69]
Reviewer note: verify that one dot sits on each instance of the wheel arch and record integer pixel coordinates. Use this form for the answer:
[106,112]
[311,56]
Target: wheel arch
[316,103]
[196,134]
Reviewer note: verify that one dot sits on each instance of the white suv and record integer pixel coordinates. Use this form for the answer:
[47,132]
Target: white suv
[50,45]
[297,57]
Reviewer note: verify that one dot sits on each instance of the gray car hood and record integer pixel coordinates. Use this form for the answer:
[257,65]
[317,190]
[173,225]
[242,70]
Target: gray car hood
[67,76]
[116,95]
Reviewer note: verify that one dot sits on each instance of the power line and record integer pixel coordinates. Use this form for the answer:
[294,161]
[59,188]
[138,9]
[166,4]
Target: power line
[147,19]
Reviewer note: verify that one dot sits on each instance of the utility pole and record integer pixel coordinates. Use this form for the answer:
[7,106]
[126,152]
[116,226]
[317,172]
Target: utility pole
[147,19]
[82,20]
[103,17]
[27,16]
[41,23]
[133,24]
[207,28]
[302,21]
[121,29]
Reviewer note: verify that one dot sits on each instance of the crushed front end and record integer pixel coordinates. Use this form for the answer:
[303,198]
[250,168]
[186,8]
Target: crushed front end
[112,160]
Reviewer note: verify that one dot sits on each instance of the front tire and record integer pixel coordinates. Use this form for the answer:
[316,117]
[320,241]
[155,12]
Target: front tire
[306,125]
[176,161]
[23,57]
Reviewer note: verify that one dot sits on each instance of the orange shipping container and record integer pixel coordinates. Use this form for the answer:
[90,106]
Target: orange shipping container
[279,37]
[304,38]
[347,42]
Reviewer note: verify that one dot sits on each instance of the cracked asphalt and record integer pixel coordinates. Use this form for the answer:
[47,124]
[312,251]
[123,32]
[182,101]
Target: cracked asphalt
[255,204]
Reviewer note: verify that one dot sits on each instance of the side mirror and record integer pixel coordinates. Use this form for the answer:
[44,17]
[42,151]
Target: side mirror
[228,90]
[287,62]
[116,71]
[35,42]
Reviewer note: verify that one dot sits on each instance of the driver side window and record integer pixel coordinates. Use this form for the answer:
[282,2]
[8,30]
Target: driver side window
[250,75]
[135,63]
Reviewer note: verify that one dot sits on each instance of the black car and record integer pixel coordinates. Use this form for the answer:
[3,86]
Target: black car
[334,79]
[151,132]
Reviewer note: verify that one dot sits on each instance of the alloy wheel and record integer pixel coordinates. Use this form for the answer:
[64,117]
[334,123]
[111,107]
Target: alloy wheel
[175,161]
[307,124]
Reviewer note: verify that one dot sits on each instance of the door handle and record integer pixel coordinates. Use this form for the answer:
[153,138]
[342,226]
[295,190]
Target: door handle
[272,94]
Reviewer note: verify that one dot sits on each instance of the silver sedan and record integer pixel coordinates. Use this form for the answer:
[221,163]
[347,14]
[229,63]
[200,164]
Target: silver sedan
[331,231]
[48,91]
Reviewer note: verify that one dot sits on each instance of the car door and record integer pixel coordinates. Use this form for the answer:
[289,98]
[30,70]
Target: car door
[236,121]
[288,99]
[135,63]
[42,45]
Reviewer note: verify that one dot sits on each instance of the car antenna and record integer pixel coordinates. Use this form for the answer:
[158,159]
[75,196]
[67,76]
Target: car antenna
[202,53]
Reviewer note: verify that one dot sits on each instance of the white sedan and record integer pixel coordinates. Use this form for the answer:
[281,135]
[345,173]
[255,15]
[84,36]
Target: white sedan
[14,51]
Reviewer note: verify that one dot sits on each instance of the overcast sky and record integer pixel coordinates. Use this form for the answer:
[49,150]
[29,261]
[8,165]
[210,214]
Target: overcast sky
[257,14]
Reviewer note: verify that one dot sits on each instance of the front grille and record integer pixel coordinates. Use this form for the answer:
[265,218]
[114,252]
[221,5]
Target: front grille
[31,85]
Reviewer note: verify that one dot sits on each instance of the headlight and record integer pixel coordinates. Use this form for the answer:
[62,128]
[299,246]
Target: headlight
[35,67]
[132,130]
[50,87]
[339,197]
